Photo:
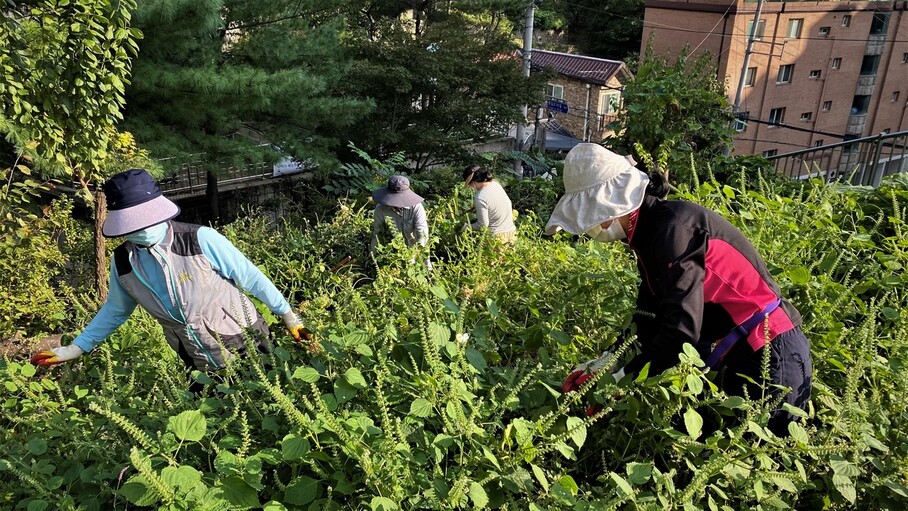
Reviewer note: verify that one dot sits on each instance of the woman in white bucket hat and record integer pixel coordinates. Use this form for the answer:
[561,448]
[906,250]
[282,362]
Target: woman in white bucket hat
[702,281]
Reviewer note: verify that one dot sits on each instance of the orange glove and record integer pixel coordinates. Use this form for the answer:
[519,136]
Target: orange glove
[300,333]
[57,355]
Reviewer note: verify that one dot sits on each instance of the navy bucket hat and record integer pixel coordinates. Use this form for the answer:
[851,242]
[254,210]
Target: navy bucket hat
[397,193]
[135,202]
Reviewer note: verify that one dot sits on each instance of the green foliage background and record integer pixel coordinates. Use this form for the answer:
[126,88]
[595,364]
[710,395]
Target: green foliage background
[440,390]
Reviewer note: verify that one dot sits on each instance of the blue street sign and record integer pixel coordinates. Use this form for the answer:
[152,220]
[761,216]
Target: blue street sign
[557,105]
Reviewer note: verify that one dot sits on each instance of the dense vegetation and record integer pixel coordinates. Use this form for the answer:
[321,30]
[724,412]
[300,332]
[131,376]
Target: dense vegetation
[440,390]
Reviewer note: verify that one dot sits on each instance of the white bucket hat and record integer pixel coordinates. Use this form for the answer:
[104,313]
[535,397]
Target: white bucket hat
[599,185]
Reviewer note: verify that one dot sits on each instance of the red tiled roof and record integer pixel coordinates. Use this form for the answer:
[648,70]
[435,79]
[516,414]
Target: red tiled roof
[583,68]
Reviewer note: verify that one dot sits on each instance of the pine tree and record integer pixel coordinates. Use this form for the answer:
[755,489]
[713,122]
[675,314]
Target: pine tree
[230,80]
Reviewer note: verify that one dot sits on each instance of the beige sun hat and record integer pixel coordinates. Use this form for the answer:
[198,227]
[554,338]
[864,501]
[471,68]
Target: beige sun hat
[599,185]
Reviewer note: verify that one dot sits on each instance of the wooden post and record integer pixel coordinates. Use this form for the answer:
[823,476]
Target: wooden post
[101,271]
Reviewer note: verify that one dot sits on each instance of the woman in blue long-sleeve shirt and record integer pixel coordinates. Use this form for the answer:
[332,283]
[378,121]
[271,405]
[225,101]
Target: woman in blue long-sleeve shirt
[189,277]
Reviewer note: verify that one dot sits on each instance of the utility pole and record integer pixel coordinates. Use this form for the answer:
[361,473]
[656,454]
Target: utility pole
[527,51]
[747,52]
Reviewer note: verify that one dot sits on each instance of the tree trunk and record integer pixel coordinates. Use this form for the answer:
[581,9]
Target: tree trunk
[101,273]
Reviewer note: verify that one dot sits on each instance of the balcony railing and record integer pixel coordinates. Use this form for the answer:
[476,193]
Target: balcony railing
[865,85]
[863,161]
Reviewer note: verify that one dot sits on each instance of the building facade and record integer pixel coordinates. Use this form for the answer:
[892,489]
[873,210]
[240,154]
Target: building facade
[817,72]
[584,93]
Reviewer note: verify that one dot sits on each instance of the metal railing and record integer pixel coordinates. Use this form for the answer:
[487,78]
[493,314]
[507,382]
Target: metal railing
[191,178]
[862,161]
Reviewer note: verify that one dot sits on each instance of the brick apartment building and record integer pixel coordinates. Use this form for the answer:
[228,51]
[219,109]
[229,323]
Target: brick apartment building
[584,93]
[818,71]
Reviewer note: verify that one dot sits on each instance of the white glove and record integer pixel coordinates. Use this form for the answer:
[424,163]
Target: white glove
[57,355]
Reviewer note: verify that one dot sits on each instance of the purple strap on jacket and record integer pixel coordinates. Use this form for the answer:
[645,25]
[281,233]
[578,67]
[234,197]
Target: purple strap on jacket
[739,332]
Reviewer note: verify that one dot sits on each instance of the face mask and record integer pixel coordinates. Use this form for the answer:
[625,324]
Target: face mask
[614,232]
[148,236]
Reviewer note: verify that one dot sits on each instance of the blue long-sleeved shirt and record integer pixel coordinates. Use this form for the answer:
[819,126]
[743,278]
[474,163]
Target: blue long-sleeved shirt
[225,258]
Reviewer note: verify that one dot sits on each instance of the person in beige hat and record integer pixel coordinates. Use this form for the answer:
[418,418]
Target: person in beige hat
[702,282]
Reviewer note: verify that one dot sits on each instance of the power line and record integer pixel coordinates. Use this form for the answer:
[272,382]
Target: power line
[745,117]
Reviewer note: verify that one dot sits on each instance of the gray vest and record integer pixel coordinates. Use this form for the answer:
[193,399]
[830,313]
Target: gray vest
[212,314]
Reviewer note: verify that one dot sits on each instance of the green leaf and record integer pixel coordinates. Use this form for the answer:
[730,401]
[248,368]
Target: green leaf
[188,426]
[843,467]
[306,373]
[302,490]
[694,384]
[478,495]
[475,358]
[799,275]
[37,446]
[294,447]
[439,292]
[29,370]
[274,505]
[137,491]
[798,434]
[844,486]
[421,408]
[382,504]
[183,477]
[639,473]
[623,485]
[355,378]
[239,494]
[343,391]
[540,476]
[577,430]
[37,505]
[693,422]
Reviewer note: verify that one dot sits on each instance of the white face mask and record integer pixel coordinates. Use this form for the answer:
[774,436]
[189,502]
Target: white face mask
[148,236]
[614,232]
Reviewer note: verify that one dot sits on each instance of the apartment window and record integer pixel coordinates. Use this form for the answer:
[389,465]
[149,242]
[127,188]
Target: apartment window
[824,31]
[846,20]
[837,62]
[794,28]
[750,77]
[827,106]
[905,57]
[818,143]
[776,116]
[785,73]
[860,105]
[554,91]
[806,116]
[880,23]
[769,153]
[895,96]
[758,33]
[869,65]
[741,121]
[814,73]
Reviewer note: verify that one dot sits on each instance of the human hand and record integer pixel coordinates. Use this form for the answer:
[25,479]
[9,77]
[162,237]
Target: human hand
[57,355]
[300,333]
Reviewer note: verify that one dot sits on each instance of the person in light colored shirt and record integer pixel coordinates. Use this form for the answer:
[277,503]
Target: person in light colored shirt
[493,206]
